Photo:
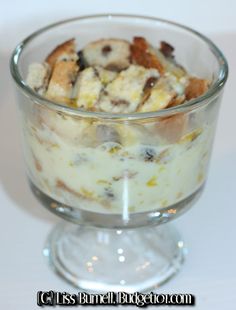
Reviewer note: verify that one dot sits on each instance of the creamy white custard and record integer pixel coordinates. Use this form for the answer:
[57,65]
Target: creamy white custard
[111,178]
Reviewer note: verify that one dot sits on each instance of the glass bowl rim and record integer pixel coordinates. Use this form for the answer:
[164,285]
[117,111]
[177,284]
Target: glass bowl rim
[185,107]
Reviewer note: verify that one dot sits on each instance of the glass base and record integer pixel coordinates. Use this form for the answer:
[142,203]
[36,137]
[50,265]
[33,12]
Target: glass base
[102,260]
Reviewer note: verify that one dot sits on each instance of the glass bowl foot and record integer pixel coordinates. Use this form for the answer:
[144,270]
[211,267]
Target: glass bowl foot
[103,260]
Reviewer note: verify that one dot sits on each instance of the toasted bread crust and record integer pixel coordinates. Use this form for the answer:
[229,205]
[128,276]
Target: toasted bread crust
[141,55]
[62,79]
[196,87]
[66,48]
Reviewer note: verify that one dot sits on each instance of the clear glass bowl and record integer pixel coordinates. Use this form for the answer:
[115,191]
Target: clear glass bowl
[118,176]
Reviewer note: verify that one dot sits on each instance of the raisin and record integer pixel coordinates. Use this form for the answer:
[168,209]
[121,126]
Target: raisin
[81,61]
[113,67]
[119,102]
[150,83]
[148,154]
[106,50]
[166,49]
[109,193]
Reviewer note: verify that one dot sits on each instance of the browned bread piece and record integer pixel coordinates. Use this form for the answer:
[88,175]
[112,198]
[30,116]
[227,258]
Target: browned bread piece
[38,76]
[62,80]
[125,93]
[196,87]
[112,54]
[142,54]
[66,50]
[159,96]
[87,88]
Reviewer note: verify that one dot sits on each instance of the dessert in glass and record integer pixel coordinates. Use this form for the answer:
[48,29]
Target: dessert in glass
[118,117]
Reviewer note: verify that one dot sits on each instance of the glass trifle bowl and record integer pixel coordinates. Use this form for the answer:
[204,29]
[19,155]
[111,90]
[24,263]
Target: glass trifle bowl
[116,177]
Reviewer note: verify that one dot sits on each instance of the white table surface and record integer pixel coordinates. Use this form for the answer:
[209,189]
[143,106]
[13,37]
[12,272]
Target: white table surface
[209,228]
